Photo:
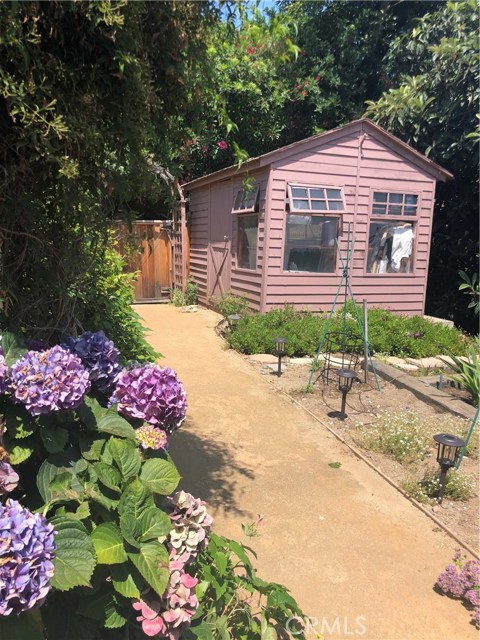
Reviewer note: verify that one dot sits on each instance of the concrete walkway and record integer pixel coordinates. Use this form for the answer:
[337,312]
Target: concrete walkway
[356,555]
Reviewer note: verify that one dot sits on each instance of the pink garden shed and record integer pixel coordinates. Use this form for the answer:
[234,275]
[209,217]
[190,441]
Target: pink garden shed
[271,238]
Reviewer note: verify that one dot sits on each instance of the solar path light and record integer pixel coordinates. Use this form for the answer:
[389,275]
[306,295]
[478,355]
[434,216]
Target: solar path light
[345,381]
[448,451]
[280,352]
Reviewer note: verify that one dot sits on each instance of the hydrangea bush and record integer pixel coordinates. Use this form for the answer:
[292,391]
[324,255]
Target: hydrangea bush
[462,580]
[93,532]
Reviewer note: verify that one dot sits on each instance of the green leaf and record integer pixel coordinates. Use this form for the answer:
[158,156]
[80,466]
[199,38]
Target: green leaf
[108,542]
[20,453]
[152,562]
[27,626]
[160,476]
[135,499]
[91,449]
[113,618]
[126,456]
[75,556]
[201,631]
[13,347]
[153,524]
[108,475]
[129,526]
[126,581]
[54,438]
[61,488]
[266,630]
[19,423]
[63,624]
[96,417]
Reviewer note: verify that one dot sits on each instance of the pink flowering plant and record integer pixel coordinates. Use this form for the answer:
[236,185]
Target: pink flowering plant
[93,530]
[461,580]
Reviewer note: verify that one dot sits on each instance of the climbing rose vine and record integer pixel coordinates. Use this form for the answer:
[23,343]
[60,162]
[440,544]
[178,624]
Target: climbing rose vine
[99,356]
[27,549]
[49,381]
[153,394]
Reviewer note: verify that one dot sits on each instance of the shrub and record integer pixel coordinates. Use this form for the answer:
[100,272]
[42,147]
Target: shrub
[388,333]
[230,303]
[177,297]
[104,297]
[457,487]
[401,436]
[191,292]
[89,529]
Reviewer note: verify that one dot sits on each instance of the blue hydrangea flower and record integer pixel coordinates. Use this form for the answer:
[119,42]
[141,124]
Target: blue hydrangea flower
[27,549]
[49,381]
[152,394]
[99,356]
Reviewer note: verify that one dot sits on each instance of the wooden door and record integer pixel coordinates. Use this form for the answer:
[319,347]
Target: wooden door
[219,250]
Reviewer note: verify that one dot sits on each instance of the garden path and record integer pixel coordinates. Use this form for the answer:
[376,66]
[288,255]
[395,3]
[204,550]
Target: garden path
[355,553]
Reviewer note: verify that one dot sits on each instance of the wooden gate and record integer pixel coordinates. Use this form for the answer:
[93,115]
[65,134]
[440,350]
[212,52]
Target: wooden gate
[153,262]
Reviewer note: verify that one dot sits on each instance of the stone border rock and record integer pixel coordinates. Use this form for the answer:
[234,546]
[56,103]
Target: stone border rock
[435,397]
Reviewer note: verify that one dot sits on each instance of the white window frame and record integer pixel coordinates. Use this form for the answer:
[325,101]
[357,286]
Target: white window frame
[402,205]
[311,198]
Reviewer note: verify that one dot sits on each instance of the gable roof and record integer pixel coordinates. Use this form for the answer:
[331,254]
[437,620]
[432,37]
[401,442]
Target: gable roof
[363,125]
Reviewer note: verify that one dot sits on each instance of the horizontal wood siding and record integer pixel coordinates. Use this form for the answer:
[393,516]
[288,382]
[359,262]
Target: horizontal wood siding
[199,230]
[339,164]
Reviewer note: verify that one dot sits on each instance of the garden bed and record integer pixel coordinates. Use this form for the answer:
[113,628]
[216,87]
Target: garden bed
[368,409]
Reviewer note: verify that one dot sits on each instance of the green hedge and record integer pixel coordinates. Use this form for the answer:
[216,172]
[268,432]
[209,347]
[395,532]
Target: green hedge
[405,336]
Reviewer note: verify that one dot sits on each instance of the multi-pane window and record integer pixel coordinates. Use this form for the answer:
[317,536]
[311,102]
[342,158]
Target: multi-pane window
[246,200]
[390,247]
[315,199]
[247,235]
[310,243]
[394,204]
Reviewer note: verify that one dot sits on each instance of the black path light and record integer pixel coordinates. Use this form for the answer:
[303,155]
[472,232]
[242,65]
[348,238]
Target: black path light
[233,319]
[448,451]
[345,381]
[280,352]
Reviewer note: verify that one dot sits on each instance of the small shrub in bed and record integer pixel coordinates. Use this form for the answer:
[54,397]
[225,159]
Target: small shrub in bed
[459,486]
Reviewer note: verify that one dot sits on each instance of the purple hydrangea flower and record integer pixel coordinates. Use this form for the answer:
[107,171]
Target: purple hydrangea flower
[48,381]
[8,478]
[150,437]
[3,374]
[152,394]
[27,549]
[99,356]
[33,344]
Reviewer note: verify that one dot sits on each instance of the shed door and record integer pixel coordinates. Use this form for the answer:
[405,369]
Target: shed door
[219,251]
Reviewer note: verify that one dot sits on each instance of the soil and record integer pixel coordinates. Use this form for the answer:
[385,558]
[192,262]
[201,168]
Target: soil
[364,406]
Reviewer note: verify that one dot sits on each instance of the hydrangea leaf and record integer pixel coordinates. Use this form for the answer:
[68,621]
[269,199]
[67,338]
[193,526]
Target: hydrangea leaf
[52,467]
[13,347]
[28,626]
[153,524]
[54,438]
[152,562]
[75,556]
[19,423]
[67,625]
[108,542]
[135,500]
[19,453]
[129,526]
[91,448]
[113,618]
[160,476]
[125,456]
[108,475]
[126,581]
[97,418]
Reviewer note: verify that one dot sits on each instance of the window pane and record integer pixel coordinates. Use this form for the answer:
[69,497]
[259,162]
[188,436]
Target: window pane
[247,241]
[238,200]
[317,193]
[410,199]
[319,205]
[379,209]
[390,247]
[299,192]
[410,211]
[395,197]
[335,205]
[395,210]
[336,194]
[250,197]
[379,197]
[300,204]
[310,244]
